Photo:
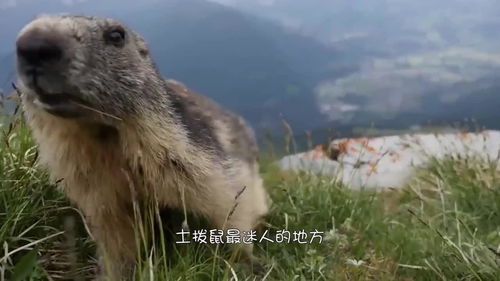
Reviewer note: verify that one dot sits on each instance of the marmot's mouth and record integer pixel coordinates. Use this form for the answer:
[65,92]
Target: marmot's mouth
[61,104]
[54,99]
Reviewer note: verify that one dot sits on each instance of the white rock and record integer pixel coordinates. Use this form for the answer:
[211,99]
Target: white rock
[385,162]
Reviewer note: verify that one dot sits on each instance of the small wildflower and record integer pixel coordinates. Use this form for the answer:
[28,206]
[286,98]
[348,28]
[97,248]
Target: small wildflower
[354,262]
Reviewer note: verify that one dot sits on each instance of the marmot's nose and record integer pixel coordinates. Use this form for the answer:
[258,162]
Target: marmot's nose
[36,48]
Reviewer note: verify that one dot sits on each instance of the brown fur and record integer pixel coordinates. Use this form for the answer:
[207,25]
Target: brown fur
[107,163]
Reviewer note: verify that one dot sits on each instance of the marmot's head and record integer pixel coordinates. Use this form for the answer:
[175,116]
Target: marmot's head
[74,66]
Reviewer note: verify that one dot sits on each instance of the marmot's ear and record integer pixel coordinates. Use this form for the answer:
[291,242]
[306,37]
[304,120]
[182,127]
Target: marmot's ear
[142,46]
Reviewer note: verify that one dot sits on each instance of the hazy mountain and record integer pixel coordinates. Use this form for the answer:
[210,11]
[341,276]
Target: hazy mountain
[431,22]
[420,60]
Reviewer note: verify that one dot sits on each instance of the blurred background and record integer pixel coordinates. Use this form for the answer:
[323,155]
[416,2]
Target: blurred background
[318,64]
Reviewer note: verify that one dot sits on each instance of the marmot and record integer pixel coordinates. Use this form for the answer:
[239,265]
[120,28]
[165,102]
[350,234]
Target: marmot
[112,130]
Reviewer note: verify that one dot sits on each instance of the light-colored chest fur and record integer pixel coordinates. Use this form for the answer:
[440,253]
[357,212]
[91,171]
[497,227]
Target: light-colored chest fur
[104,173]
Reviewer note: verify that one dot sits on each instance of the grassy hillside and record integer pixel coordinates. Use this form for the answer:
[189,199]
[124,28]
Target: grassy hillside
[445,225]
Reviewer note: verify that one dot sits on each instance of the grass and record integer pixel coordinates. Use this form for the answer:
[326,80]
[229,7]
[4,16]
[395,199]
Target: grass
[445,225]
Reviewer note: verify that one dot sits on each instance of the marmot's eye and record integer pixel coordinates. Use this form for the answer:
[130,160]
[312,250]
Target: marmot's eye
[115,36]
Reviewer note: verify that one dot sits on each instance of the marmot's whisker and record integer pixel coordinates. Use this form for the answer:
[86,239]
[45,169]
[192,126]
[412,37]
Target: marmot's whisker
[96,110]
